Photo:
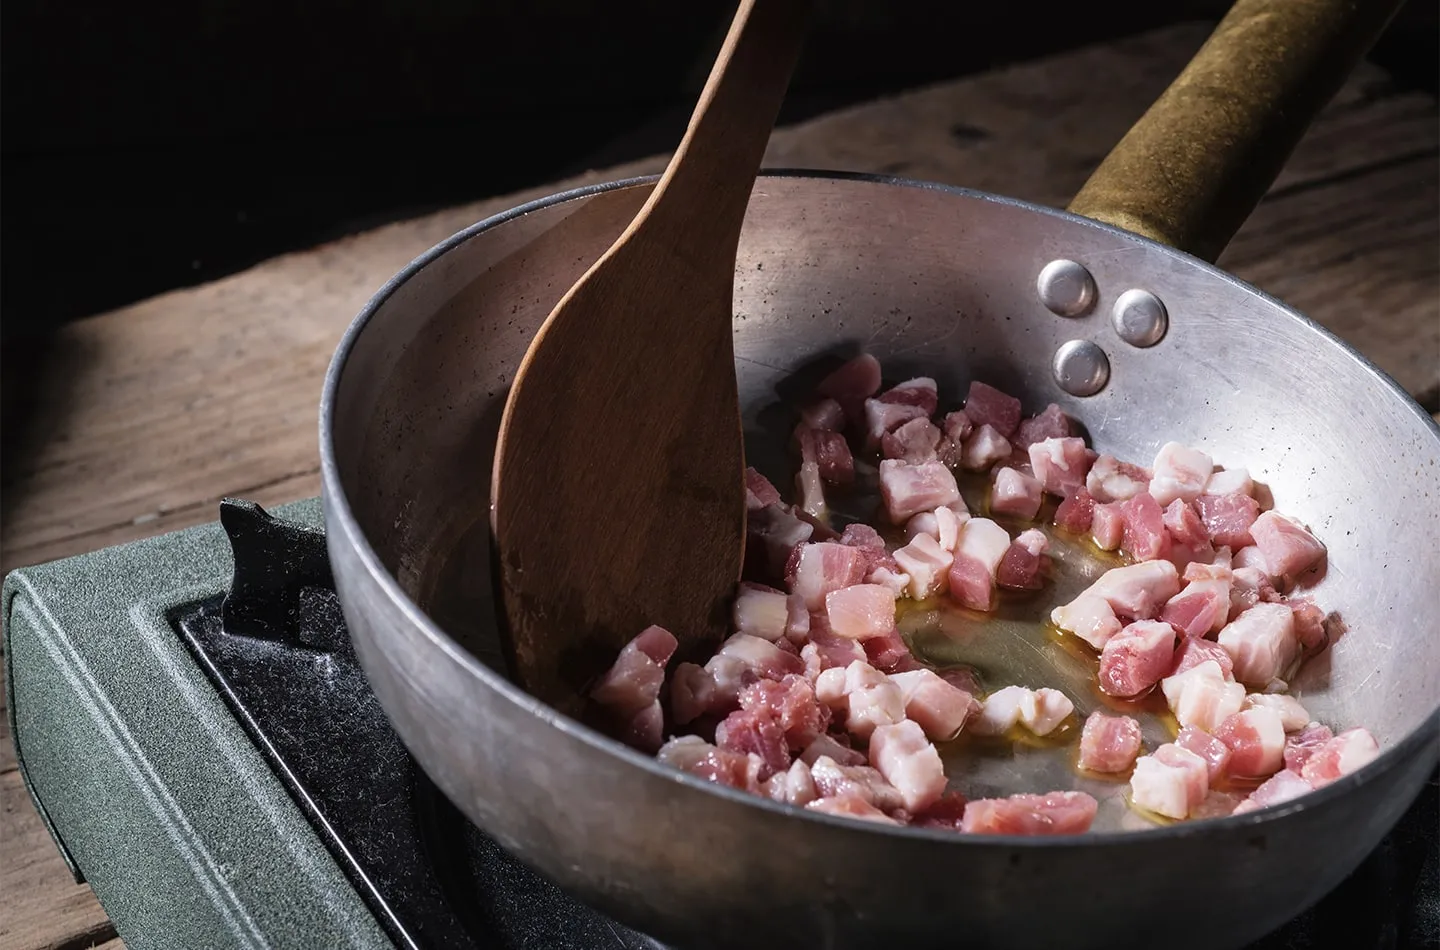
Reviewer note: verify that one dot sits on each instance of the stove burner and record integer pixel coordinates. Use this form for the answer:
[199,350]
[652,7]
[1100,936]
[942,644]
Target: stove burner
[277,650]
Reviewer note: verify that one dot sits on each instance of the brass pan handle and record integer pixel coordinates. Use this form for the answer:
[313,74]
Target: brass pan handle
[1192,169]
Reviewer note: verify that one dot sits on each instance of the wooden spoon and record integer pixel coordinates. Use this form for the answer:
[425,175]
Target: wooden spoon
[618,491]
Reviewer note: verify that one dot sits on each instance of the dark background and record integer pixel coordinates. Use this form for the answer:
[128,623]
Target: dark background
[151,146]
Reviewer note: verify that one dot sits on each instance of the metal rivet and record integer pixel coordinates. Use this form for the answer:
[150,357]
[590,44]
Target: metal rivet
[1140,318]
[1081,368]
[1066,288]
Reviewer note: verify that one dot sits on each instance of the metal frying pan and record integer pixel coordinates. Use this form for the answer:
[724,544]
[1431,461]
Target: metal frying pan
[939,281]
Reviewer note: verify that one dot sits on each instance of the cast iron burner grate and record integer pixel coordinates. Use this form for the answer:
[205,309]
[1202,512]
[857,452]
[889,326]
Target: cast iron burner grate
[277,650]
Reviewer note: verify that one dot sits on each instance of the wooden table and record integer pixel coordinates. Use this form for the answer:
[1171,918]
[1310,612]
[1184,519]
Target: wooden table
[152,413]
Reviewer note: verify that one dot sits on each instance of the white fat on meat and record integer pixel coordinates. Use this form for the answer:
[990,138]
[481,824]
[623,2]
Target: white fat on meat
[1015,493]
[936,706]
[1202,697]
[978,552]
[1089,617]
[1038,710]
[1283,786]
[829,746]
[1201,608]
[632,683]
[761,612]
[1137,591]
[1348,752]
[1215,753]
[1232,481]
[811,490]
[1293,716]
[1256,738]
[848,806]
[1111,480]
[1289,549]
[884,417]
[1107,526]
[1060,465]
[861,611]
[910,489]
[983,448]
[947,527]
[903,754]
[833,780]
[826,566]
[1262,643]
[1251,558]
[863,694]
[1171,782]
[926,564]
[793,787]
[761,657]
[896,582]
[1179,472]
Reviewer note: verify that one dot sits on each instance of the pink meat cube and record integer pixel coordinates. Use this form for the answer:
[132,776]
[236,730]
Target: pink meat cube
[981,546]
[792,703]
[1262,643]
[1054,813]
[832,651]
[1179,472]
[1215,753]
[1200,609]
[1250,587]
[1061,464]
[1137,591]
[889,654]
[1145,537]
[761,657]
[851,384]
[1107,526]
[1256,739]
[1052,423]
[693,693]
[698,757]
[771,535]
[1193,651]
[1309,624]
[1289,549]
[1184,525]
[986,405]
[823,414]
[902,754]
[634,681]
[957,426]
[747,731]
[1302,745]
[1283,786]
[910,489]
[1251,558]
[1015,494]
[938,707]
[868,540]
[920,391]
[830,453]
[1293,716]
[1202,697]
[1020,567]
[1111,480]
[861,611]
[824,567]
[927,564]
[915,441]
[1090,617]
[983,448]
[1077,512]
[1348,752]
[1227,518]
[1136,658]
[849,806]
[1109,743]
[833,780]
[831,748]
[761,611]
[885,417]
[758,491]
[793,787]
[1170,782]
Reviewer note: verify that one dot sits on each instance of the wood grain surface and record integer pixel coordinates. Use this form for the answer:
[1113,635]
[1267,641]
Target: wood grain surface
[145,417]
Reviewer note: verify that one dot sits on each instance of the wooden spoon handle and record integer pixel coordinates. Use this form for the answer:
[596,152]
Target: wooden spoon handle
[712,172]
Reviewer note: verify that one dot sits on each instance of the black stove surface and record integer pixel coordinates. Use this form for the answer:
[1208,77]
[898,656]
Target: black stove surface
[277,650]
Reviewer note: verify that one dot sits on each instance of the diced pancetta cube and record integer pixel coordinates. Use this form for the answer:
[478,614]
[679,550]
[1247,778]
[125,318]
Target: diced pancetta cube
[927,564]
[1283,786]
[792,787]
[1202,697]
[1171,782]
[902,754]
[1144,537]
[698,757]
[792,703]
[860,611]
[1227,518]
[889,654]
[848,806]
[851,384]
[1262,643]
[830,650]
[983,448]
[1251,558]
[1309,624]
[868,540]
[633,682]
[1293,716]
[1077,512]
[828,745]
[894,580]
[920,391]
[1015,494]
[1038,710]
[761,611]
[882,418]
[982,545]
[1107,526]
[761,657]
[1020,567]
[1250,586]
[810,490]
[1348,752]
[757,732]
[1193,651]
[1055,813]
[826,566]
[829,451]
[1136,658]
[1234,481]
[1000,711]
[1288,548]
[1200,609]
[1217,570]
[1090,617]
[693,693]
[957,426]
[1061,465]
[1184,526]
[823,414]
[947,527]
[947,813]
[873,706]
[758,491]
[1215,753]
[1052,423]
[1256,739]
[1109,743]
[1179,472]
[938,707]
[986,405]
[833,780]
[644,730]
[915,441]
[1303,744]
[1137,591]
[771,535]
[1111,480]
[910,489]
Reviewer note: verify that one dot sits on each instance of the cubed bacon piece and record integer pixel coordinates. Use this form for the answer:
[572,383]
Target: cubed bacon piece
[1020,566]
[910,489]
[1348,752]
[948,813]
[1137,591]
[935,705]
[758,491]
[793,787]
[927,564]
[1234,481]
[1309,624]
[848,806]
[693,693]
[1293,716]
[860,611]
[1193,651]
[915,441]
[1215,753]
[1262,643]
[1170,782]
[761,611]
[761,657]
[889,654]
[1077,512]
[829,746]
[1251,558]
[1052,423]
[894,580]
[923,523]
[830,453]
[1227,518]
[1109,743]
[983,448]
[1179,472]
[942,524]
[728,675]
[1055,813]
[1136,658]
[1061,465]
[1202,697]
[797,620]
[772,534]
[792,703]
[1040,711]
[810,490]
[757,731]
[831,650]
[1090,617]
[1200,609]
[1144,537]
[957,426]
[1107,526]
[698,757]
[823,414]
[1184,525]
[986,405]
[851,384]
[1250,587]
[1288,548]
[633,683]
[873,706]
[1303,744]
[1283,786]
[882,418]
[902,754]
[833,780]
[1000,711]
[920,391]
[1256,739]
[1015,494]
[1217,570]
[826,566]
[868,540]
[645,729]
[1111,480]
[978,553]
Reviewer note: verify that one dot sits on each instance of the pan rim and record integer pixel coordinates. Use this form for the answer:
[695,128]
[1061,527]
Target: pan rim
[337,505]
